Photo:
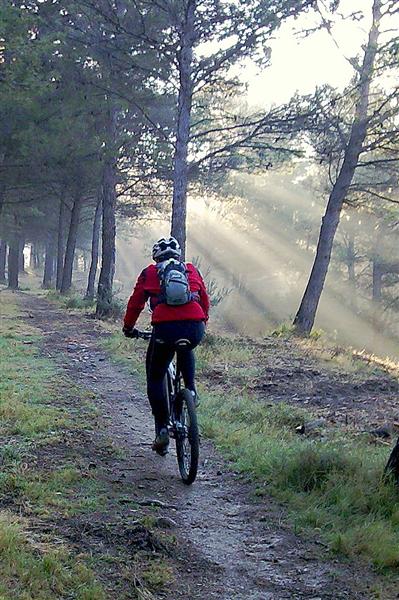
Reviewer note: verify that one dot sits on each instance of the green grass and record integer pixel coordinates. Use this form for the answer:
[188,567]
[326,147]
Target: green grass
[332,486]
[62,488]
[26,384]
[33,570]
[130,353]
[31,567]
[47,483]
[71,301]
[74,300]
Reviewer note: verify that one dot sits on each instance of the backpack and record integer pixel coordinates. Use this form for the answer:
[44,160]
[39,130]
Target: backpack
[173,278]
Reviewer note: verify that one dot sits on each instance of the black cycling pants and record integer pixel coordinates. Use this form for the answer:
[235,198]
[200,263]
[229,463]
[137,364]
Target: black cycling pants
[161,349]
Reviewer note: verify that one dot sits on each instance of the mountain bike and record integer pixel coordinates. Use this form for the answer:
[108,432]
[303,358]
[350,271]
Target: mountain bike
[183,424]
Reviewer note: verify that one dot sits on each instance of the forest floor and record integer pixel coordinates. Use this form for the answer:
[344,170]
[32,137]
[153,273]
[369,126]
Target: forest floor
[126,518]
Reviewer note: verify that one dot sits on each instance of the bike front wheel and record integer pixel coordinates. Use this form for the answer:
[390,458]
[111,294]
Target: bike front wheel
[187,436]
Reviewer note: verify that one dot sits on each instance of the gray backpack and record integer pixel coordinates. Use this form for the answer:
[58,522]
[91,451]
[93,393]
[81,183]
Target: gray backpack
[173,278]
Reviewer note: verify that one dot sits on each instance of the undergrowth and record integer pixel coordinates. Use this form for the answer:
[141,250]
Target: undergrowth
[74,300]
[71,301]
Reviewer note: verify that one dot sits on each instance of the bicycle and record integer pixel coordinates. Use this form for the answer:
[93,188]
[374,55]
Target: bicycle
[183,424]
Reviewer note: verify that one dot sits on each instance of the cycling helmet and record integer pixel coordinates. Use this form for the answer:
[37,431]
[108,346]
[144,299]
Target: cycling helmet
[166,248]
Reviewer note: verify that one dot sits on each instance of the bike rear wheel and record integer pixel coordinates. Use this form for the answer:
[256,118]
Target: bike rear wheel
[187,436]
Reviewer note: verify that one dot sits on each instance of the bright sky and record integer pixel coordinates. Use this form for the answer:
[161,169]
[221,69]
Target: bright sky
[302,64]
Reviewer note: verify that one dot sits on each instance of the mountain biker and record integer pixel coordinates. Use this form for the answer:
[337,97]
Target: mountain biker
[171,324]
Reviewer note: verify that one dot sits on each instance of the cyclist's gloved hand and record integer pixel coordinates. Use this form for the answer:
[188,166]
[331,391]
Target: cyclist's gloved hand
[130,332]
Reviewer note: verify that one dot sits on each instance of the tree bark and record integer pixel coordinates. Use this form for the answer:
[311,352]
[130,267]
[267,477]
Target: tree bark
[32,256]
[61,242]
[94,250]
[75,263]
[306,314]
[38,256]
[13,263]
[180,165]
[106,278]
[2,186]
[48,274]
[105,281]
[71,245]
[21,259]
[377,281]
[351,265]
[3,260]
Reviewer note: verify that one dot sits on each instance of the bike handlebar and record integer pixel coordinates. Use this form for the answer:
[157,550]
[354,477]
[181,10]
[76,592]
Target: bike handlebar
[144,335]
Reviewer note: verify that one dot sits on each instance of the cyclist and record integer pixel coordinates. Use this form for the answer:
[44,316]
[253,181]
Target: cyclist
[171,325]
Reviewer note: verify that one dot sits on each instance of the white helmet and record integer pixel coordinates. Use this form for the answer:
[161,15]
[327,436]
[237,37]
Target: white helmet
[166,248]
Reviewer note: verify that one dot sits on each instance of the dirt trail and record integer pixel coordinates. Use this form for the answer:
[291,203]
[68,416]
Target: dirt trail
[230,547]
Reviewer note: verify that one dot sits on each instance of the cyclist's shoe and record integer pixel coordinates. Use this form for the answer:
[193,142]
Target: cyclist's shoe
[161,442]
[196,398]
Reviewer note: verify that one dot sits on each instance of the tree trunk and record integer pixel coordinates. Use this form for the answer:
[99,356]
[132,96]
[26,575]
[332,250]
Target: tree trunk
[34,259]
[377,281]
[21,259]
[105,281]
[39,256]
[71,245]
[351,259]
[13,263]
[32,256]
[306,314]
[3,260]
[180,166]
[48,274]
[61,242]
[76,262]
[351,265]
[94,250]
[2,186]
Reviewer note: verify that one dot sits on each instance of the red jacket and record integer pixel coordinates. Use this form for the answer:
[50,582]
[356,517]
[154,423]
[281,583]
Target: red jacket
[148,286]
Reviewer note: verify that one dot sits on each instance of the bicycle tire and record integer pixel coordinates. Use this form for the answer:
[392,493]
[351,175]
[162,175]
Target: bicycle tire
[187,446]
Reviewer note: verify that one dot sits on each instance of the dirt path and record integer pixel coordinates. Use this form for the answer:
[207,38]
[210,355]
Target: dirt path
[229,546]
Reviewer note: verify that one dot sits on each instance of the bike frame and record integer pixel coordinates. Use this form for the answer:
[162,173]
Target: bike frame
[173,386]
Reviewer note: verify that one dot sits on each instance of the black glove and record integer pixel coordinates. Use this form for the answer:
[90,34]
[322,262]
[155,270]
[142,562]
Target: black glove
[130,332]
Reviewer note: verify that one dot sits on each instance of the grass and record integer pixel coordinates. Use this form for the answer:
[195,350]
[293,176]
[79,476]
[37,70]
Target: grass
[74,300]
[130,353]
[331,485]
[26,382]
[31,570]
[31,566]
[47,483]
[71,301]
